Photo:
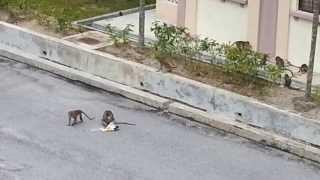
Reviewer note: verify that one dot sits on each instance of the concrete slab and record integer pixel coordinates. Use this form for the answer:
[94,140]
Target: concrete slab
[90,39]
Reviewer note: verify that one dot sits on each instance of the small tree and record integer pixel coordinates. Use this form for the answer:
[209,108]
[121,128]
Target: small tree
[315,23]
[141,23]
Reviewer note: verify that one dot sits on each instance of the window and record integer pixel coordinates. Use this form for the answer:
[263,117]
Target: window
[306,5]
[173,1]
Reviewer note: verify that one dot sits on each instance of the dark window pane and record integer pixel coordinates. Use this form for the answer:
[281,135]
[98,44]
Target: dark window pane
[306,5]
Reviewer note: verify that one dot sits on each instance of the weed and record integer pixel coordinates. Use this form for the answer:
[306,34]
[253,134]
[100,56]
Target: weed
[119,37]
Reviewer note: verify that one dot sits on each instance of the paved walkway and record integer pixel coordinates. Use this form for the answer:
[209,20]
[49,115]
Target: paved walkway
[122,21]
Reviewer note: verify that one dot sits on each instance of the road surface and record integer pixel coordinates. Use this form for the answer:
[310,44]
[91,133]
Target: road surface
[36,144]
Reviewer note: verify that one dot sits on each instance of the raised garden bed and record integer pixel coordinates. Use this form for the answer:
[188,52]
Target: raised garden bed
[262,90]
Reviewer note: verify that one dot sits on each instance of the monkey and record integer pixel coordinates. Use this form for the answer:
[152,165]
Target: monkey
[303,68]
[165,63]
[73,117]
[288,81]
[108,119]
[265,58]
[120,13]
[280,62]
[243,44]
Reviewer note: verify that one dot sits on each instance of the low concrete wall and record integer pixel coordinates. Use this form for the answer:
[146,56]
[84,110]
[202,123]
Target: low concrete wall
[193,93]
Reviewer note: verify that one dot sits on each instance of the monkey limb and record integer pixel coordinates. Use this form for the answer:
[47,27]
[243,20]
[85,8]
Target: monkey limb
[288,82]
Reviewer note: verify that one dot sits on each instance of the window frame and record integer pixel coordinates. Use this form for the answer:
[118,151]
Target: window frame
[300,14]
[301,9]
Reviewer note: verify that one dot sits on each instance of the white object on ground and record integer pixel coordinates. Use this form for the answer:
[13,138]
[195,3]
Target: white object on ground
[110,127]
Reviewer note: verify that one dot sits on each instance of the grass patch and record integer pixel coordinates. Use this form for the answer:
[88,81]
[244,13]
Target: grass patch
[61,13]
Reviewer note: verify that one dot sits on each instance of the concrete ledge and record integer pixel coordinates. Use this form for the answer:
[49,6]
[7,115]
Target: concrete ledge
[70,73]
[262,136]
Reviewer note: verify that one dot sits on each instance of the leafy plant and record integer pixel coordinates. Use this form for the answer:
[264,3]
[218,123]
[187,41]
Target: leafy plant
[240,62]
[119,37]
[168,37]
[209,46]
[63,23]
[23,4]
[4,3]
[243,61]
[273,72]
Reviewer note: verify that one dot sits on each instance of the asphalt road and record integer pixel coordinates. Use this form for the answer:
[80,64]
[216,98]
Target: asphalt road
[36,144]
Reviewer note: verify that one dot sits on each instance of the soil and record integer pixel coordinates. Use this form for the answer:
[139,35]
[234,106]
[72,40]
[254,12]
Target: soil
[89,41]
[32,24]
[283,98]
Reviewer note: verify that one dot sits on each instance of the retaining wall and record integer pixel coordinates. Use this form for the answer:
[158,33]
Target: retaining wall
[139,76]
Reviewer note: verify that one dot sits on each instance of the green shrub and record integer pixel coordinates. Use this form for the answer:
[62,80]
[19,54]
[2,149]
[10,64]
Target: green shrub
[119,37]
[4,4]
[177,41]
[168,38]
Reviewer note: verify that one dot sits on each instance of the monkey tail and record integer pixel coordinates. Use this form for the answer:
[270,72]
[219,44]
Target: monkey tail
[87,116]
[126,123]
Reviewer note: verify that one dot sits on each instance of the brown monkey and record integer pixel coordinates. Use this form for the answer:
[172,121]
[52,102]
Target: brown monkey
[288,81]
[167,64]
[303,68]
[108,118]
[265,58]
[73,117]
[243,44]
[279,62]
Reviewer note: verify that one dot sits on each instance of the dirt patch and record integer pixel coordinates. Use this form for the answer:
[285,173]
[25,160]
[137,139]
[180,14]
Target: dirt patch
[280,97]
[34,26]
[89,41]
[27,23]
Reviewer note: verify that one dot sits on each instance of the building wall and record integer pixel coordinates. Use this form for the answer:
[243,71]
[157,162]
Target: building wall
[167,11]
[283,28]
[224,21]
[227,21]
[300,40]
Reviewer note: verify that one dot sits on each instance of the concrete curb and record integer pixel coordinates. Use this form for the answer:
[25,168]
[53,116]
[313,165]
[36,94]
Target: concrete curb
[259,135]
[218,121]
[70,73]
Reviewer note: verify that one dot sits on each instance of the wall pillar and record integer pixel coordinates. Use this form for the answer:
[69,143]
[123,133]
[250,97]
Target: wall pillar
[167,11]
[282,43]
[253,22]
[191,15]
[181,13]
